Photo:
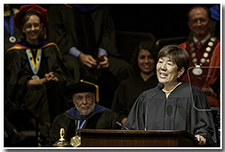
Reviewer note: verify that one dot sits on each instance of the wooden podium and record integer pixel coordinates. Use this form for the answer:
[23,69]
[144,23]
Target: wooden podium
[136,138]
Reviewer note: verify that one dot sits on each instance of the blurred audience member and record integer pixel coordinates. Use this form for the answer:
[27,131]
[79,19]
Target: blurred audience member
[144,64]
[204,52]
[11,33]
[215,25]
[86,37]
[34,72]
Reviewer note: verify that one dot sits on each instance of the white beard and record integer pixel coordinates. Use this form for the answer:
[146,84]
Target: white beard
[85,112]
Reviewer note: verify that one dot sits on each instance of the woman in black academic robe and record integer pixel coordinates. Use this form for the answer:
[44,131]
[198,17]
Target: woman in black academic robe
[173,105]
[35,76]
[143,63]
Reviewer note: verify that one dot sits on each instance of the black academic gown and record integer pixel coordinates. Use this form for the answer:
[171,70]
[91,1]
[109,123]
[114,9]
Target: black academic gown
[43,101]
[100,118]
[86,31]
[127,93]
[177,112]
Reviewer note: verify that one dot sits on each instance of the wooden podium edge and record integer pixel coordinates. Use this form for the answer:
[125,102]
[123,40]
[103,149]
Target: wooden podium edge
[112,131]
[183,136]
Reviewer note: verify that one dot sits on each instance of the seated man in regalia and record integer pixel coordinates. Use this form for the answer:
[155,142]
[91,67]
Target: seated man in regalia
[87,113]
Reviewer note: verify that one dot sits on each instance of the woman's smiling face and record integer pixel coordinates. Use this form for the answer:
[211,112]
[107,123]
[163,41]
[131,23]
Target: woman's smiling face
[32,29]
[146,62]
[167,72]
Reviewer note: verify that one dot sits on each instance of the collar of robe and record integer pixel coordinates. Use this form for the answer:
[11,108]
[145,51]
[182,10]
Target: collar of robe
[39,45]
[42,44]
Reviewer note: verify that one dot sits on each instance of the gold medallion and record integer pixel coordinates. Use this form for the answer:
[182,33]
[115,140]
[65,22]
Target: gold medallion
[75,141]
[192,49]
[197,70]
[35,77]
[191,44]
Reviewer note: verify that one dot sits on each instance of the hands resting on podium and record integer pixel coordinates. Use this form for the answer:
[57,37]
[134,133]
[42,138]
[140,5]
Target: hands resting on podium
[201,140]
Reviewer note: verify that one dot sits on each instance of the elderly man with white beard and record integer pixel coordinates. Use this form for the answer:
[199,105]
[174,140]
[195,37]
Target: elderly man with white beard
[87,114]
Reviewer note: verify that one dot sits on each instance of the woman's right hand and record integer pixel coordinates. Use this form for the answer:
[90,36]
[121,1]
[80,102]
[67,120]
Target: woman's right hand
[32,82]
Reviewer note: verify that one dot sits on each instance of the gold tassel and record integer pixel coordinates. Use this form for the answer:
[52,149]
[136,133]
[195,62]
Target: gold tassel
[97,89]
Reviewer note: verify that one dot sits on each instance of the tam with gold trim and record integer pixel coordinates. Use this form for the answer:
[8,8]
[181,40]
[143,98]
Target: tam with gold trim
[84,86]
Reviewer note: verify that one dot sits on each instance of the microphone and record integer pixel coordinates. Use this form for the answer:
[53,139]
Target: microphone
[160,86]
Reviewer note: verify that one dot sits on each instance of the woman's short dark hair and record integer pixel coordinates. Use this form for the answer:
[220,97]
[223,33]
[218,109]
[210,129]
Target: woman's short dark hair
[177,54]
[22,36]
[146,45]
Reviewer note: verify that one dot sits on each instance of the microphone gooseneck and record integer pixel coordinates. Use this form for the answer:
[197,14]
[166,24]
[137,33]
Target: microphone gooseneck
[191,94]
[160,86]
[122,125]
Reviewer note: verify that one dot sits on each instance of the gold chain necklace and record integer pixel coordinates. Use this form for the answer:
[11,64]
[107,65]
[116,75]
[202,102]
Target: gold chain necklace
[197,70]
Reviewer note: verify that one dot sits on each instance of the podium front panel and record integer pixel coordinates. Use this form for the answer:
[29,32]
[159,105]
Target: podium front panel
[135,138]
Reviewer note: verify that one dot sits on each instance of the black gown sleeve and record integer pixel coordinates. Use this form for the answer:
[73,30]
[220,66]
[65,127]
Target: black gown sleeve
[107,120]
[119,104]
[136,117]
[15,77]
[202,120]
[108,39]
[56,65]
[57,31]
